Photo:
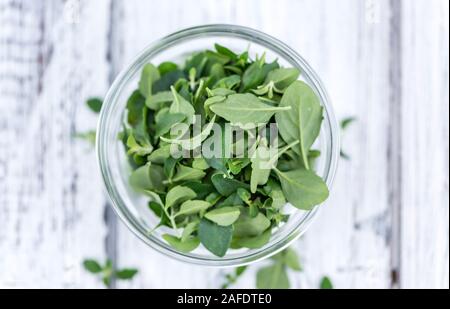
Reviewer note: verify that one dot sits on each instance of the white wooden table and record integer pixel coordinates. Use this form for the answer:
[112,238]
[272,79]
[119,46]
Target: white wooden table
[385,62]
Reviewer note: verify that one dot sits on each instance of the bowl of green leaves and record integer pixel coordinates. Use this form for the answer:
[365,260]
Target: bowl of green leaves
[218,145]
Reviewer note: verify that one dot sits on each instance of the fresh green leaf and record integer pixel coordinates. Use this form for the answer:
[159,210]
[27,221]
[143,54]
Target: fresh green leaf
[229,82]
[233,199]
[194,142]
[189,230]
[148,177]
[346,122]
[192,207]
[166,122]
[272,277]
[167,67]
[183,246]
[219,164]
[211,101]
[283,77]
[201,189]
[159,100]
[150,74]
[134,148]
[214,237]
[160,155]
[227,186]
[276,194]
[158,210]
[95,104]
[264,160]
[246,110]
[253,242]
[107,281]
[326,284]
[92,266]
[253,210]
[200,164]
[244,195]
[197,61]
[219,92]
[217,58]
[292,260]
[167,80]
[126,274]
[224,216]
[178,195]
[135,105]
[303,188]
[154,197]
[226,52]
[256,73]
[185,173]
[248,226]
[213,198]
[181,106]
[260,169]
[303,122]
[236,165]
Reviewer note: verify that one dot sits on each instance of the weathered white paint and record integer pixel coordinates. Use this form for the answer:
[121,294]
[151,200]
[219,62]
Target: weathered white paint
[51,202]
[51,214]
[350,241]
[425,149]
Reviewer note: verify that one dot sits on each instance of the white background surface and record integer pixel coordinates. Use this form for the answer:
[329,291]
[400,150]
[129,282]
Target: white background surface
[385,62]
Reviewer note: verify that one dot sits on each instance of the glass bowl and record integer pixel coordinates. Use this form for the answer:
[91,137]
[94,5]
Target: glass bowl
[132,207]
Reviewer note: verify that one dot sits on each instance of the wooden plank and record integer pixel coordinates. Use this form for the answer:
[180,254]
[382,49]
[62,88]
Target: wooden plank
[348,45]
[425,145]
[52,57]
[347,42]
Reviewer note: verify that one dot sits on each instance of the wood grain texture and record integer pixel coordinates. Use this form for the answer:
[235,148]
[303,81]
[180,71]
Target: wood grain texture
[350,241]
[425,145]
[50,200]
[383,61]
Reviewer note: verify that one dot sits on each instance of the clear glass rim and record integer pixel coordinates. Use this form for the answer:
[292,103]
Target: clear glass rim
[224,30]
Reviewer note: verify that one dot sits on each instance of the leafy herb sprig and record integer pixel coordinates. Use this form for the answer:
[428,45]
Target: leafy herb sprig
[107,272]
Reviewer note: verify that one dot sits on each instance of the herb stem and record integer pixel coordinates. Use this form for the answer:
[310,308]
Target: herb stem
[283,150]
[171,218]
